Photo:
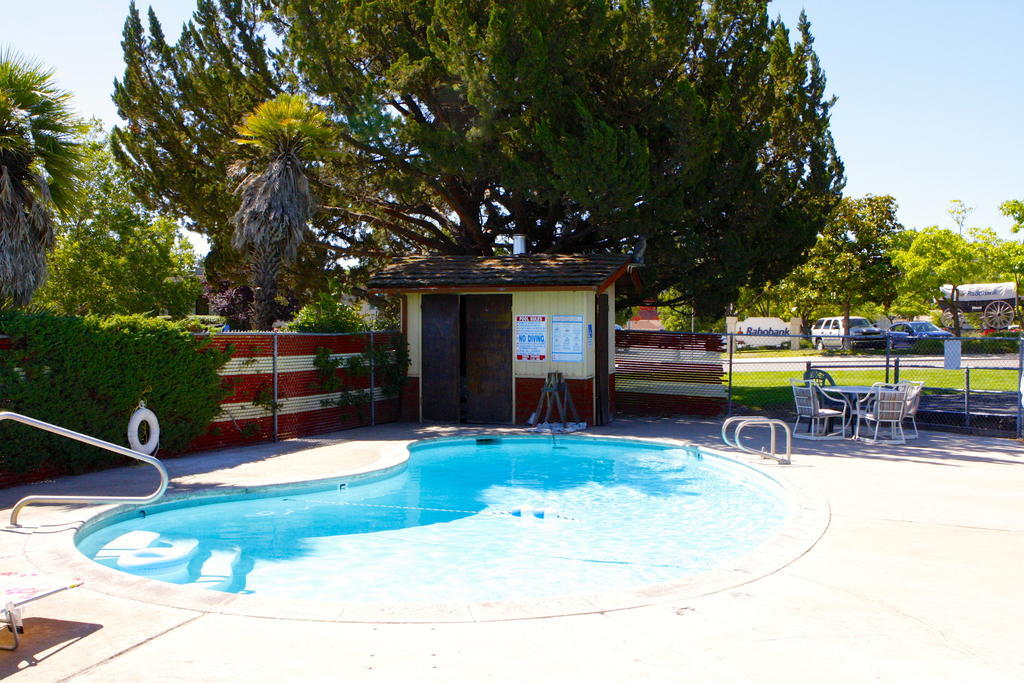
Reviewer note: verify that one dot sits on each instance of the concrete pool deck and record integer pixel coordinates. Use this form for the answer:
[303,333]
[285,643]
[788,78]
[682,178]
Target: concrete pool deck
[916,577]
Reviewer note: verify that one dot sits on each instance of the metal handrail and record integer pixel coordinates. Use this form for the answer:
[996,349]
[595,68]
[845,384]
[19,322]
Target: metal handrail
[92,441]
[758,420]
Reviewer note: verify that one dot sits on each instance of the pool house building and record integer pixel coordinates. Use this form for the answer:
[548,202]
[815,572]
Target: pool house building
[485,332]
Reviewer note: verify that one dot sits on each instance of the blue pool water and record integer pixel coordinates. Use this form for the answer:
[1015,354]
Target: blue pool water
[467,520]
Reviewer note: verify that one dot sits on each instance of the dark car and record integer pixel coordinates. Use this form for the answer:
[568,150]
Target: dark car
[905,334]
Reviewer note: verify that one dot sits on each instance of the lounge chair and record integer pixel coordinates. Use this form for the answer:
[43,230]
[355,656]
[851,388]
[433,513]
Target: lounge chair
[17,589]
[812,405]
[885,405]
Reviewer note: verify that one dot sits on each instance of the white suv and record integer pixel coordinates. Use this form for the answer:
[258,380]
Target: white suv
[829,333]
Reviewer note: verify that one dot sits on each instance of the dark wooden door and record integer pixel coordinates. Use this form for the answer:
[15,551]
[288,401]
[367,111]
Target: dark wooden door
[488,320]
[601,409]
[441,354]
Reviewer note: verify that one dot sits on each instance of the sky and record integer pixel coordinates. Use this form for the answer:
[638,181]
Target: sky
[930,92]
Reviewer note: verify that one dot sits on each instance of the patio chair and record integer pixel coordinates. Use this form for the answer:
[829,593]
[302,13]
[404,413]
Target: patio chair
[913,402]
[17,589]
[819,377]
[809,401]
[885,405]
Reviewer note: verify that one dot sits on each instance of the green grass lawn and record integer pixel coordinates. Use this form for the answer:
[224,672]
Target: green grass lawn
[777,353]
[770,389]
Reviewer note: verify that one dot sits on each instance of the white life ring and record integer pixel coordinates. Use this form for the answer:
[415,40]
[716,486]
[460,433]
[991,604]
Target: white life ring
[149,417]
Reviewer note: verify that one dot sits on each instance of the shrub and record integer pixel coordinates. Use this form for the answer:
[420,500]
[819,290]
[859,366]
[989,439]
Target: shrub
[970,345]
[234,303]
[390,362]
[199,323]
[327,314]
[929,347]
[89,374]
[1001,344]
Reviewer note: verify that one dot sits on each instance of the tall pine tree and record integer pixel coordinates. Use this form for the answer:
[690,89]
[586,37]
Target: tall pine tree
[586,126]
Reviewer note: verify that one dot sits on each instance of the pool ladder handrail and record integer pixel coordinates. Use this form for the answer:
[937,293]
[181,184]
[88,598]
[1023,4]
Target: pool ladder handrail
[743,421]
[92,441]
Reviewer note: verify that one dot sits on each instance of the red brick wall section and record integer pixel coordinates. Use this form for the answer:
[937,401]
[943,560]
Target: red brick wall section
[528,393]
[411,400]
[611,396]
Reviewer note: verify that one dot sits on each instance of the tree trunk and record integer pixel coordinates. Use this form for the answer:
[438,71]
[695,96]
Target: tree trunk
[956,312]
[847,343]
[266,263]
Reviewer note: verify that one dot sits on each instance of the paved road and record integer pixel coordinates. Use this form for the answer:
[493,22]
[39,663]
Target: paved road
[779,363]
[763,363]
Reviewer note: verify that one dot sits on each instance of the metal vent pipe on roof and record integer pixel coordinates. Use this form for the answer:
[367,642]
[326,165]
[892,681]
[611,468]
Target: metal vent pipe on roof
[518,245]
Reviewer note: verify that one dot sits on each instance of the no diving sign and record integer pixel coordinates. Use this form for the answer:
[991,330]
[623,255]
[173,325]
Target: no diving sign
[531,337]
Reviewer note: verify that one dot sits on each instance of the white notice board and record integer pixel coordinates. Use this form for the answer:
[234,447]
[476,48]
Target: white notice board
[531,337]
[567,338]
[951,354]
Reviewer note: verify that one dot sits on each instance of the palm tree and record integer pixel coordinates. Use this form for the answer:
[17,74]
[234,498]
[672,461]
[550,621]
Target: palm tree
[276,201]
[40,164]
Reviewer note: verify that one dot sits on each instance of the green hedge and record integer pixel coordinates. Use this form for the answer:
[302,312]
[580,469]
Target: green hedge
[89,374]
[970,345]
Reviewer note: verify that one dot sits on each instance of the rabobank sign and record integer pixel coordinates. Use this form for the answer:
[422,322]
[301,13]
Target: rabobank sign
[763,332]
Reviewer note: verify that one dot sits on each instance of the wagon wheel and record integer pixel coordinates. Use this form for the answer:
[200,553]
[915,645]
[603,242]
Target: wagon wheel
[998,315]
[946,318]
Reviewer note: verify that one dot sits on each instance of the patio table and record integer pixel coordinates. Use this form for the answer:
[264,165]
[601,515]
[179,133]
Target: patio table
[847,390]
[851,393]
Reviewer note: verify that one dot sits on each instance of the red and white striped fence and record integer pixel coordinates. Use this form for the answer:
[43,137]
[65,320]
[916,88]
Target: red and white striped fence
[276,391]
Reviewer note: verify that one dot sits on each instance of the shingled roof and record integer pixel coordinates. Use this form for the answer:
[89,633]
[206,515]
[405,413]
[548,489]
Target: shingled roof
[426,273]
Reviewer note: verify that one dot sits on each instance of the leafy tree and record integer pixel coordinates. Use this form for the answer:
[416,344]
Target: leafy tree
[1007,258]
[850,264]
[112,256]
[1014,208]
[182,103]
[585,126]
[959,212]
[802,298]
[908,302]
[327,314]
[276,203]
[234,302]
[937,257]
[680,317]
[39,167]
[795,295]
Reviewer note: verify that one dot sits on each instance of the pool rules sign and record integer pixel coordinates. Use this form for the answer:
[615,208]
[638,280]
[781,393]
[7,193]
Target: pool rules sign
[531,337]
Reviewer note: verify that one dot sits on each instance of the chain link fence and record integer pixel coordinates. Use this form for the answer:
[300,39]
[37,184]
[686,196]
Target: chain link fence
[282,385]
[971,384]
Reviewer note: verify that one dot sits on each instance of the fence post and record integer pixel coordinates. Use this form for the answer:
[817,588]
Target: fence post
[731,338]
[1020,387]
[273,370]
[967,398]
[373,384]
[888,354]
[895,370]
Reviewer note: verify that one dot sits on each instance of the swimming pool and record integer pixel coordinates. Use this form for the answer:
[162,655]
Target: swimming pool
[468,520]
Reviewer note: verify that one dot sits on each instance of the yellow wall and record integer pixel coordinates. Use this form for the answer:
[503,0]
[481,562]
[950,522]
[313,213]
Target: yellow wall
[413,317]
[610,293]
[547,303]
